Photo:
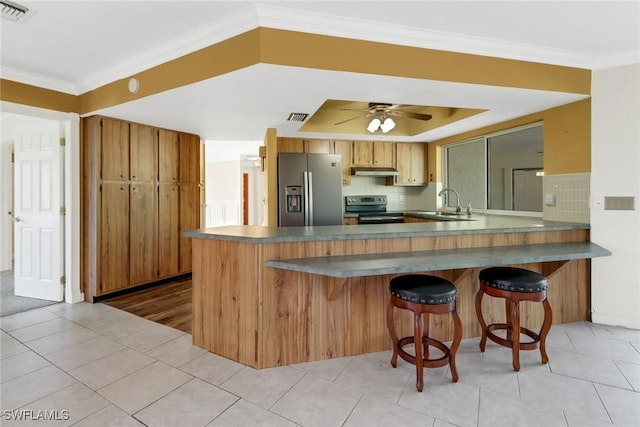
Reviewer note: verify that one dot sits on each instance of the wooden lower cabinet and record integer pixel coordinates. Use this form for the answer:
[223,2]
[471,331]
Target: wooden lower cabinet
[114,237]
[408,219]
[350,221]
[189,204]
[142,233]
[168,230]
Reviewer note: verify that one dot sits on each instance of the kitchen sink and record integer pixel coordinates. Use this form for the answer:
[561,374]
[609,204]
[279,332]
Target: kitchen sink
[443,215]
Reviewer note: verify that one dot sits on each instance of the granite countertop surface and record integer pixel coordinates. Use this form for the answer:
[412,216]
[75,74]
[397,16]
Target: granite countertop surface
[438,259]
[477,224]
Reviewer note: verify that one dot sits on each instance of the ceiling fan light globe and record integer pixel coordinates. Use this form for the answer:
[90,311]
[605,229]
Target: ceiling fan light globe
[388,125]
[374,125]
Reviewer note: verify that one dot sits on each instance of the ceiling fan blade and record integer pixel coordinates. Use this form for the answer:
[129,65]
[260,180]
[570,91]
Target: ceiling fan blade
[355,109]
[348,120]
[398,106]
[411,115]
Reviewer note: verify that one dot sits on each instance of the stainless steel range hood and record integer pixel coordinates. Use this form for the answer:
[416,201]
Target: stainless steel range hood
[373,171]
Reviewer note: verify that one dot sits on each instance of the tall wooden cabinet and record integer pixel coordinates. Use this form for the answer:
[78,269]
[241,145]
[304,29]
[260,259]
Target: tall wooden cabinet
[142,188]
[191,193]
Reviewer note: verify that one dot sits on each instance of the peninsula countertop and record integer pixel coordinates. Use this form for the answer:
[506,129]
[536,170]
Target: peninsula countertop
[479,224]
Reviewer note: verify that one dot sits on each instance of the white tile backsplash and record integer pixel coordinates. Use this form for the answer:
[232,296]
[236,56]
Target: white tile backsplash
[572,197]
[414,197]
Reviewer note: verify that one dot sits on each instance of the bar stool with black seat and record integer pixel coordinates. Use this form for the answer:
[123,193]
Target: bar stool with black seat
[515,285]
[424,295]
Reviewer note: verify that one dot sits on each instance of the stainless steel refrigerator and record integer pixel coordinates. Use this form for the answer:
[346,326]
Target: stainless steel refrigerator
[309,189]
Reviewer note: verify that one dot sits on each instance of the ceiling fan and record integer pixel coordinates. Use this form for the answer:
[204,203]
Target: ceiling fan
[382,113]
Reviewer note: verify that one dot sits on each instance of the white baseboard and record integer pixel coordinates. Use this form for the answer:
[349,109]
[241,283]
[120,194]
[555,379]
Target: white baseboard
[626,322]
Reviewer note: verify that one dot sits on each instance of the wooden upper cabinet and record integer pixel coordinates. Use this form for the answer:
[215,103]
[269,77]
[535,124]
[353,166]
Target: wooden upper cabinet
[324,146]
[344,149]
[190,158]
[168,152]
[362,152]
[142,151]
[372,153]
[290,145]
[411,163]
[383,154]
[114,148]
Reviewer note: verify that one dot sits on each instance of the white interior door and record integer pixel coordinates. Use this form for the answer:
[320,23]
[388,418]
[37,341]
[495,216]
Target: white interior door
[38,222]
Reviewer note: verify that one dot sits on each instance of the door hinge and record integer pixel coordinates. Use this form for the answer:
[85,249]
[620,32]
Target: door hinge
[63,280]
[13,157]
[63,211]
[63,142]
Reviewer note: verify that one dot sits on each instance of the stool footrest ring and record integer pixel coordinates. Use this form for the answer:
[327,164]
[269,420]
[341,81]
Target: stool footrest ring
[531,345]
[427,363]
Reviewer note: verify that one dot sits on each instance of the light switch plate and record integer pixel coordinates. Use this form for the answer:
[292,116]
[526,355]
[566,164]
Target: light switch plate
[619,203]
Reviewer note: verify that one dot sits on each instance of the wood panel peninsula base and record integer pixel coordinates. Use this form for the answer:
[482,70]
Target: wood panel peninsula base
[266,296]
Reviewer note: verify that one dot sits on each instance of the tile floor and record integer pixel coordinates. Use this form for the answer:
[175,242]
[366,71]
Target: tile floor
[93,365]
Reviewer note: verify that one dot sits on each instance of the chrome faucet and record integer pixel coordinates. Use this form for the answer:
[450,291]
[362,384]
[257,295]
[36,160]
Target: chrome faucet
[458,207]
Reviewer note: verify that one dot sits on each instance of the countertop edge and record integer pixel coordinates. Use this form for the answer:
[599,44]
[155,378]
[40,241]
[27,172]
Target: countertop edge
[349,232]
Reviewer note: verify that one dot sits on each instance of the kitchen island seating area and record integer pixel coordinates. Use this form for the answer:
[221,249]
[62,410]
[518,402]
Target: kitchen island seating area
[268,296]
[515,285]
[423,295]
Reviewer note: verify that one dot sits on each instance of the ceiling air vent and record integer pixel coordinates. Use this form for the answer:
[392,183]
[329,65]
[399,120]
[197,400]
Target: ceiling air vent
[297,117]
[14,12]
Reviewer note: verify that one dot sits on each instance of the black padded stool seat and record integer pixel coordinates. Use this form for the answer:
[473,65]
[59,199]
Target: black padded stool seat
[423,289]
[514,285]
[423,294]
[513,279]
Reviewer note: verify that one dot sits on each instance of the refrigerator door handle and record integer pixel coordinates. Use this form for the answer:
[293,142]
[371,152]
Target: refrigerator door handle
[305,195]
[310,198]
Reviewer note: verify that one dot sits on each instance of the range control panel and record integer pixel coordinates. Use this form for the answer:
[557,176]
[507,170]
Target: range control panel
[365,200]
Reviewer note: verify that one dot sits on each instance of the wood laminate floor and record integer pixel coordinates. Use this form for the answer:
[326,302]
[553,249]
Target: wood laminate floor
[168,304]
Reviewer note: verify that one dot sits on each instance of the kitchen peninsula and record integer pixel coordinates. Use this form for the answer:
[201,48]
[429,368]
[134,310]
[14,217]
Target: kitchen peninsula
[267,296]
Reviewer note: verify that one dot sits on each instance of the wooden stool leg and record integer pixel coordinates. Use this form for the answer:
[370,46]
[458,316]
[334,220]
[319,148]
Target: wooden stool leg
[544,331]
[483,325]
[425,334]
[508,309]
[392,331]
[515,333]
[417,336]
[457,337]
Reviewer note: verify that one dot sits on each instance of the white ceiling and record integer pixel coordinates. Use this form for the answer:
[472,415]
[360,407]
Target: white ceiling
[80,45]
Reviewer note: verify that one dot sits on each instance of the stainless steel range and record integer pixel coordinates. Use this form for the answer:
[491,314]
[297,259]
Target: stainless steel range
[371,210]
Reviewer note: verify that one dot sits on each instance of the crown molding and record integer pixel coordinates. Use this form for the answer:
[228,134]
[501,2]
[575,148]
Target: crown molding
[261,15]
[38,80]
[317,23]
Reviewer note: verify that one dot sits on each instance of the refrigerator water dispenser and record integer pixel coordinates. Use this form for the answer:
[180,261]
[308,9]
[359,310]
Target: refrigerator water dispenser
[294,198]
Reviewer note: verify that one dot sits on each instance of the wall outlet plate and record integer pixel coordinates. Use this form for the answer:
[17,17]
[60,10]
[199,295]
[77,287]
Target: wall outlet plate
[550,199]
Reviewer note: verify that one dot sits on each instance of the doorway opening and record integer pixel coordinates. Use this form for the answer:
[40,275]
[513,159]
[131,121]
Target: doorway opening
[29,246]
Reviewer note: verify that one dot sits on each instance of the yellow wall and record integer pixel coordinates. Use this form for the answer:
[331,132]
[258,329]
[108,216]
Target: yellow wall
[567,138]
[566,130]
[33,96]
[273,46]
